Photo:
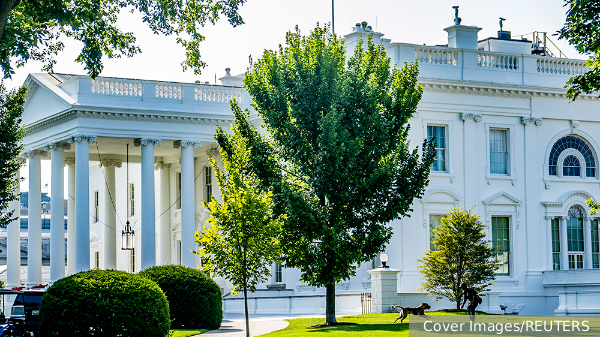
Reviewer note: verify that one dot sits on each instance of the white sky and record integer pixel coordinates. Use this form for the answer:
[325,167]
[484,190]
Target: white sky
[267,21]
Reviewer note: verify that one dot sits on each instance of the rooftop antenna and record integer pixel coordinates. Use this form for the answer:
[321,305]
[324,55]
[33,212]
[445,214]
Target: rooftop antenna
[457,20]
[501,20]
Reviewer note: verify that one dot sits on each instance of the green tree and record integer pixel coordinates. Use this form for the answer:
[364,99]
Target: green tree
[340,165]
[11,135]
[243,240]
[462,255]
[582,30]
[31,29]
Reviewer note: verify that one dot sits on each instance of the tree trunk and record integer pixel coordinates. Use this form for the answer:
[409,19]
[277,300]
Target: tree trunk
[246,310]
[457,304]
[5,7]
[330,304]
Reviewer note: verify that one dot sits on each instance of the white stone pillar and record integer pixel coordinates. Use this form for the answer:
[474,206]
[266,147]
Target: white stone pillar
[57,212]
[70,162]
[564,248]
[82,201]
[188,212]
[13,241]
[109,237]
[34,225]
[163,254]
[587,243]
[148,232]
[384,289]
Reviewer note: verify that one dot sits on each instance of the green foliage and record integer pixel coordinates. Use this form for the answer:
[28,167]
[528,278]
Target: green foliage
[462,255]
[11,135]
[339,163]
[194,298]
[104,303]
[593,206]
[243,240]
[582,30]
[33,29]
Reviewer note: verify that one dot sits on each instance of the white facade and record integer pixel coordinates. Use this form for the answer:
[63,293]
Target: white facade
[500,110]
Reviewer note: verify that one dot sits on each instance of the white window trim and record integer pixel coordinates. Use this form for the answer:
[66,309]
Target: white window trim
[429,225]
[588,139]
[449,173]
[511,175]
[512,261]
[561,159]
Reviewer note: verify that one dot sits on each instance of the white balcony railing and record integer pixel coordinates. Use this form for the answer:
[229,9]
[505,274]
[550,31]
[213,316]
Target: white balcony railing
[114,87]
[442,56]
[499,61]
[561,66]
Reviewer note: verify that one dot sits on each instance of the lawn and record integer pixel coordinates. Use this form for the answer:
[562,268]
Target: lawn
[186,333]
[371,325]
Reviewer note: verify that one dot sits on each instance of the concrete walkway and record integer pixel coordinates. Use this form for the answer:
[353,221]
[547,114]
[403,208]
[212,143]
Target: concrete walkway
[235,325]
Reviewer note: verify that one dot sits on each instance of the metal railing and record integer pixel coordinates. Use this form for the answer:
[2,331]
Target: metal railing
[365,301]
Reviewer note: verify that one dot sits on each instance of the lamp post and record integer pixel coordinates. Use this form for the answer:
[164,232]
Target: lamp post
[384,258]
[127,235]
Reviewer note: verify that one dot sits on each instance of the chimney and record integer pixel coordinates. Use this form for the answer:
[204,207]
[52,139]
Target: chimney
[461,37]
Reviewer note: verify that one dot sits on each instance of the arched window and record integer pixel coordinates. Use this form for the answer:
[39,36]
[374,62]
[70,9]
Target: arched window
[571,164]
[571,167]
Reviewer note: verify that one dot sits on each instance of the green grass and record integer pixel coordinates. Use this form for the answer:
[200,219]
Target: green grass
[371,325]
[186,333]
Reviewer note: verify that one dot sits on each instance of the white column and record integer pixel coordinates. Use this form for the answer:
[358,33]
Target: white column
[13,241]
[70,162]
[148,232]
[34,206]
[587,243]
[384,289]
[564,248]
[82,201]
[163,254]
[57,218]
[188,202]
[109,237]
[550,264]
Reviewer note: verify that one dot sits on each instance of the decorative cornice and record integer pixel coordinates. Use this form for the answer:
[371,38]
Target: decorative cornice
[57,145]
[110,163]
[466,116]
[481,89]
[531,120]
[70,161]
[184,143]
[144,141]
[162,166]
[552,204]
[548,217]
[79,138]
[31,153]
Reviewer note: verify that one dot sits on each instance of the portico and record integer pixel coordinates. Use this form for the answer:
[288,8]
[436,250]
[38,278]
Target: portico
[86,125]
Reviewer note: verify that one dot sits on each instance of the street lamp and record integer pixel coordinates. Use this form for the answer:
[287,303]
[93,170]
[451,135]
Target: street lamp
[384,258]
[127,235]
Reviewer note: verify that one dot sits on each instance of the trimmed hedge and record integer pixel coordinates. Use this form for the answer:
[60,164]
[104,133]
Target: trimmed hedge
[104,303]
[194,298]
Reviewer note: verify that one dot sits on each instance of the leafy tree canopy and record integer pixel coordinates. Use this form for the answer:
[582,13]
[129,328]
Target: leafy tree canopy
[582,30]
[462,255]
[11,135]
[340,165]
[30,29]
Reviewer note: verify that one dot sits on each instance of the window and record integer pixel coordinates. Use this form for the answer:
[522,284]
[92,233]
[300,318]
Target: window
[131,201]
[132,262]
[438,135]
[278,273]
[208,184]
[97,260]
[575,238]
[501,243]
[179,252]
[178,194]
[499,151]
[96,207]
[595,245]
[555,244]
[571,167]
[571,142]
[434,222]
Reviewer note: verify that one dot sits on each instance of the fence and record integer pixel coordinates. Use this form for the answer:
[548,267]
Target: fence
[365,301]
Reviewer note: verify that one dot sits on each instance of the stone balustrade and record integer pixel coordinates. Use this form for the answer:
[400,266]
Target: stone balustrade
[114,87]
[499,61]
[433,55]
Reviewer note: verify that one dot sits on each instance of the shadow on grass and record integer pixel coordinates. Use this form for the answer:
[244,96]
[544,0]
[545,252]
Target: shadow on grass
[358,328]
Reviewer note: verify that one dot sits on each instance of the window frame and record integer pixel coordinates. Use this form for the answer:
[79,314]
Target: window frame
[559,177]
[131,200]
[431,229]
[96,200]
[510,263]
[511,171]
[449,172]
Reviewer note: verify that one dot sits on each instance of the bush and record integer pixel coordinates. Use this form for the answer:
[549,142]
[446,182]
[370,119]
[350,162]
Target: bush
[194,298]
[104,303]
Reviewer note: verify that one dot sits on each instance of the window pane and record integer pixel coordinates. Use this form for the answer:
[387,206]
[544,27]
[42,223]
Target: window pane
[434,222]
[438,135]
[498,151]
[501,243]
[575,234]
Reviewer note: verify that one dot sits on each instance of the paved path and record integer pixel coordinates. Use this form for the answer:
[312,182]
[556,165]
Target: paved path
[235,325]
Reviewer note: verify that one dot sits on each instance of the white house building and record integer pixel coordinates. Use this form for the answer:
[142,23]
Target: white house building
[509,144]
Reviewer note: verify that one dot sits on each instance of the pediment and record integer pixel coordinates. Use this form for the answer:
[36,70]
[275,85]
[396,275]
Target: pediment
[42,101]
[441,196]
[502,198]
[578,193]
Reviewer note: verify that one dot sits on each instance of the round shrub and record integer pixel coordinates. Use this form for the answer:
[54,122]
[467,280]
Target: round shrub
[104,303]
[194,298]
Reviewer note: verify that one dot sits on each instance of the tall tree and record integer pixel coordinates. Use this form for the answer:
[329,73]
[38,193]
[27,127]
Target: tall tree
[244,237]
[582,30]
[11,135]
[340,140]
[462,255]
[30,29]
